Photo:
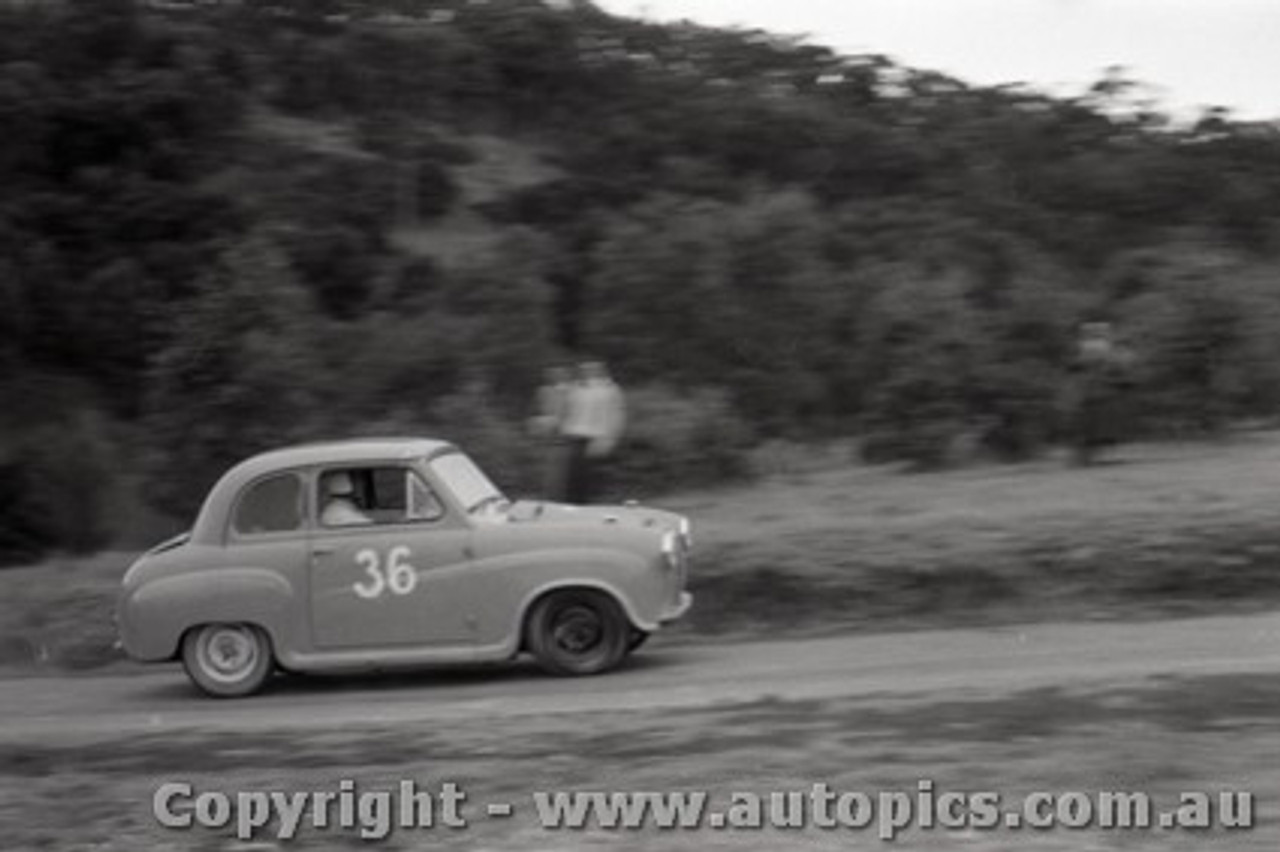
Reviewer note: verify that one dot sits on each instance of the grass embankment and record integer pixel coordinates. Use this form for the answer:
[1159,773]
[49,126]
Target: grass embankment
[1158,530]
[1163,529]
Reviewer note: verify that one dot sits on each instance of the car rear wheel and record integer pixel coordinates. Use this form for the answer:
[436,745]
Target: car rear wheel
[578,632]
[227,660]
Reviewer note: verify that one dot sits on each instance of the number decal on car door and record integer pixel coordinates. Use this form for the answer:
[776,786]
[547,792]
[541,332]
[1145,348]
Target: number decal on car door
[399,577]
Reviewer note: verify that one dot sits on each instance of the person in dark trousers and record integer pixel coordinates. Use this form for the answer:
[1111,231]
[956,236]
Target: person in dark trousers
[1101,369]
[594,420]
[547,425]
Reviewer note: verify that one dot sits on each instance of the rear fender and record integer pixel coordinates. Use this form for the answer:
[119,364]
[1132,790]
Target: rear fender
[154,617]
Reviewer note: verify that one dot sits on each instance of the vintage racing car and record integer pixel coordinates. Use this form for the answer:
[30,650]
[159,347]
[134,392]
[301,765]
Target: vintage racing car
[378,553]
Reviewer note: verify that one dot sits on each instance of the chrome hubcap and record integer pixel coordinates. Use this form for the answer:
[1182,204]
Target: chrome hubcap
[227,654]
[578,629]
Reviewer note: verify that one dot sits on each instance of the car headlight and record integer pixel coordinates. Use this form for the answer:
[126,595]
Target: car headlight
[686,534]
[671,549]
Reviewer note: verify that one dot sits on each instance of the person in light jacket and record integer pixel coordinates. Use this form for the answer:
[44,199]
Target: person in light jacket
[594,419]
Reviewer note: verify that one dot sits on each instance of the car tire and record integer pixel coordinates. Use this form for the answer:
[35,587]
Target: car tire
[227,660]
[578,632]
[638,638]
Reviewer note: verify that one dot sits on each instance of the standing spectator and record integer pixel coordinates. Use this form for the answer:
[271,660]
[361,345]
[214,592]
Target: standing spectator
[593,426]
[1101,369]
[547,425]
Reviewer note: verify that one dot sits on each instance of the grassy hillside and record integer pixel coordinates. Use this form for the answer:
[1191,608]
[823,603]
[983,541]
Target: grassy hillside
[1157,529]
[827,545]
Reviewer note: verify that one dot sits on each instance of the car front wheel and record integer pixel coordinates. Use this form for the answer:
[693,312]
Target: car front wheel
[227,660]
[578,632]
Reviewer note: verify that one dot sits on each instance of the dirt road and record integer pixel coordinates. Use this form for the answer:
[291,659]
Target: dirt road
[933,665]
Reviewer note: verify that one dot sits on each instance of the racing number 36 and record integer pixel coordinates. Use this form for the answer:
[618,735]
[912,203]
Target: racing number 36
[397,576]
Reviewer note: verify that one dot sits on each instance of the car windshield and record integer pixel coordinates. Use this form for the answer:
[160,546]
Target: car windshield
[472,488]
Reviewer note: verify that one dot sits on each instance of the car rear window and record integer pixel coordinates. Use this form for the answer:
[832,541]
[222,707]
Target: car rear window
[272,505]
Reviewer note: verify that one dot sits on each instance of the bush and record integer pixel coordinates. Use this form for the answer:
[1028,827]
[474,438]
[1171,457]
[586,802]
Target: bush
[1205,334]
[435,191]
[923,351]
[472,418]
[60,484]
[239,376]
[927,443]
[678,440]
[25,531]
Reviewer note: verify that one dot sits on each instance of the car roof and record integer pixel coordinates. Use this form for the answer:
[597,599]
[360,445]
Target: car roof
[211,520]
[349,450]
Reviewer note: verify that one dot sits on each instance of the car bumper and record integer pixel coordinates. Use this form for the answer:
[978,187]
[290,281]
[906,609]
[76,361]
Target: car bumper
[677,609]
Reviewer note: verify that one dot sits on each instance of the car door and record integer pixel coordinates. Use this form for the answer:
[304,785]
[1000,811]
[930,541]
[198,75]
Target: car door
[385,568]
[267,541]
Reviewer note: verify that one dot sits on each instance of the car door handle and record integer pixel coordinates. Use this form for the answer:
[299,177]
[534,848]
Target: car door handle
[321,550]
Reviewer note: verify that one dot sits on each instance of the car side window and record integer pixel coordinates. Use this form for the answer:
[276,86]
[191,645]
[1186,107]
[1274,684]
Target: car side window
[375,495]
[269,506]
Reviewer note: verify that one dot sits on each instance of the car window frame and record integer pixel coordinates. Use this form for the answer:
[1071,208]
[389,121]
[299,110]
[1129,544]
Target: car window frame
[428,466]
[232,535]
[443,520]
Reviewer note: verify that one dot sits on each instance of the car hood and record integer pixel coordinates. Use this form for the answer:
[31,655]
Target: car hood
[548,513]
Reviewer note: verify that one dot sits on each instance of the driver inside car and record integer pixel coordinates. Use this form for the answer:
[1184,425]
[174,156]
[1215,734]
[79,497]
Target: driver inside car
[340,509]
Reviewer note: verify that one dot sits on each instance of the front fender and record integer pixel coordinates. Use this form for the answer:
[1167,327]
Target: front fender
[632,581]
[620,598]
[154,616]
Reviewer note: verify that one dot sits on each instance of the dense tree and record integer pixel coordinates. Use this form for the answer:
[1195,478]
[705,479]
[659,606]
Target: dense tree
[1203,325]
[240,375]
[238,224]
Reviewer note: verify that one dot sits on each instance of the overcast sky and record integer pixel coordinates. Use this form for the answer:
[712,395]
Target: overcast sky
[1194,52]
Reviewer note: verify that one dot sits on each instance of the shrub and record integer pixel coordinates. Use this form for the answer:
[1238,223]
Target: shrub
[60,484]
[676,440]
[239,376]
[435,191]
[471,418]
[1205,333]
[923,349]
